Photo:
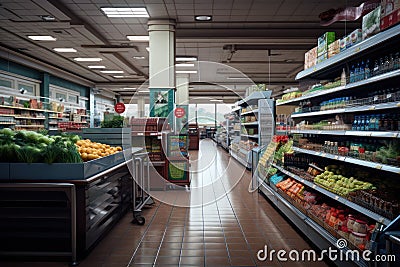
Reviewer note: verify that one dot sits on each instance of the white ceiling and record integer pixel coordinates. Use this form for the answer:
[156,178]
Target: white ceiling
[285,28]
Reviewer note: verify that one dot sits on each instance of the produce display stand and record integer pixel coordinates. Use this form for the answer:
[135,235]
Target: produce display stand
[38,211]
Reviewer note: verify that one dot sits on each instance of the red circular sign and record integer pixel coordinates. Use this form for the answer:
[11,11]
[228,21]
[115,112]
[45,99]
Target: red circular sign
[179,112]
[119,108]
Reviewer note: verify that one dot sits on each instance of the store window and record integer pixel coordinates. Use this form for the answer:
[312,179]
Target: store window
[64,95]
[6,82]
[14,85]
[26,88]
[206,114]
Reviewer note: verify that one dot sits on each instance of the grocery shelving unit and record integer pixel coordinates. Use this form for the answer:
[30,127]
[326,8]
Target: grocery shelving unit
[330,68]
[257,125]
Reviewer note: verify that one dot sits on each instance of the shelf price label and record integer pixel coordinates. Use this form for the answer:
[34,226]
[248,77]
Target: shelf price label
[336,197]
[398,104]
[336,157]
[323,155]
[371,108]
[314,186]
[356,50]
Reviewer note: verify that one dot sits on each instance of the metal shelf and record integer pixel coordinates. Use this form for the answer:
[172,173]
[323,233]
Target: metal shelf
[317,234]
[29,126]
[389,134]
[317,113]
[239,159]
[364,163]
[352,51]
[250,123]
[377,78]
[348,203]
[31,109]
[249,112]
[254,97]
[349,110]
[250,136]
[30,118]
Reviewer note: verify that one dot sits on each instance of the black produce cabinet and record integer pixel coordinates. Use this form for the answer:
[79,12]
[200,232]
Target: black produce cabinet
[50,215]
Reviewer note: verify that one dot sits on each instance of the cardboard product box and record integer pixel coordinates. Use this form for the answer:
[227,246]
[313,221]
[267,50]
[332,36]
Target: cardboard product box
[371,23]
[323,42]
[306,56]
[348,41]
[312,60]
[390,13]
[355,36]
[334,48]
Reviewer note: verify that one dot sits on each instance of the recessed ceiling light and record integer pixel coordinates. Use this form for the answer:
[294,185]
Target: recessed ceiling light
[185,58]
[185,65]
[237,78]
[138,38]
[139,57]
[65,50]
[148,49]
[143,91]
[112,71]
[96,67]
[118,76]
[186,71]
[47,18]
[129,88]
[125,12]
[88,59]
[216,100]
[42,38]
[203,18]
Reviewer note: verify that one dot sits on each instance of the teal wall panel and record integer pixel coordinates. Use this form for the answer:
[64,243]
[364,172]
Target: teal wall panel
[16,68]
[83,90]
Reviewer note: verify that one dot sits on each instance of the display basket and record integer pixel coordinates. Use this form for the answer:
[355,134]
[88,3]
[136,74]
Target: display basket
[62,171]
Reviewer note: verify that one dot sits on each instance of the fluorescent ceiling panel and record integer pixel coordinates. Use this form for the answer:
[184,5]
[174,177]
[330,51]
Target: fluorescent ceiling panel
[125,12]
[138,38]
[88,59]
[65,50]
[42,38]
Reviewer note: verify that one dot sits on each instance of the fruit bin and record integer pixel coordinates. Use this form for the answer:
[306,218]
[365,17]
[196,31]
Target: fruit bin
[62,171]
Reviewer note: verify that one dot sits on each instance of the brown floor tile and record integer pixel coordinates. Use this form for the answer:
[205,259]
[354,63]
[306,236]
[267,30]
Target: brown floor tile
[217,261]
[216,252]
[198,246]
[143,259]
[167,260]
[189,261]
[242,261]
[171,245]
[192,253]
[169,252]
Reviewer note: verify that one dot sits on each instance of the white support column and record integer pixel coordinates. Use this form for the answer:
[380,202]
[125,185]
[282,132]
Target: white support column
[182,89]
[141,106]
[162,54]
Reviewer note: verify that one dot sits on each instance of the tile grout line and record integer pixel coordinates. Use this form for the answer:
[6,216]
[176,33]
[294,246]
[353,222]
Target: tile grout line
[183,236]
[220,222]
[143,236]
[237,220]
[165,231]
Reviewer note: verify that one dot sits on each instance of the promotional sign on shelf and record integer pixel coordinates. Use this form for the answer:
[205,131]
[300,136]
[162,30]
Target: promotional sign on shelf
[119,108]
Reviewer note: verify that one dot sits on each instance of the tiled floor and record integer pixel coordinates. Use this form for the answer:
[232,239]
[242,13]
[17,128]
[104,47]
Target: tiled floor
[227,230]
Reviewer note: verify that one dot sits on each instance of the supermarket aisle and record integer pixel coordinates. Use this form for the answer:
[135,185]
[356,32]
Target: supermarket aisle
[226,232]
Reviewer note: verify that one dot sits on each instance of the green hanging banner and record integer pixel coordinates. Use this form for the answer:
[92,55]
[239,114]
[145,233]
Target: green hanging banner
[162,103]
